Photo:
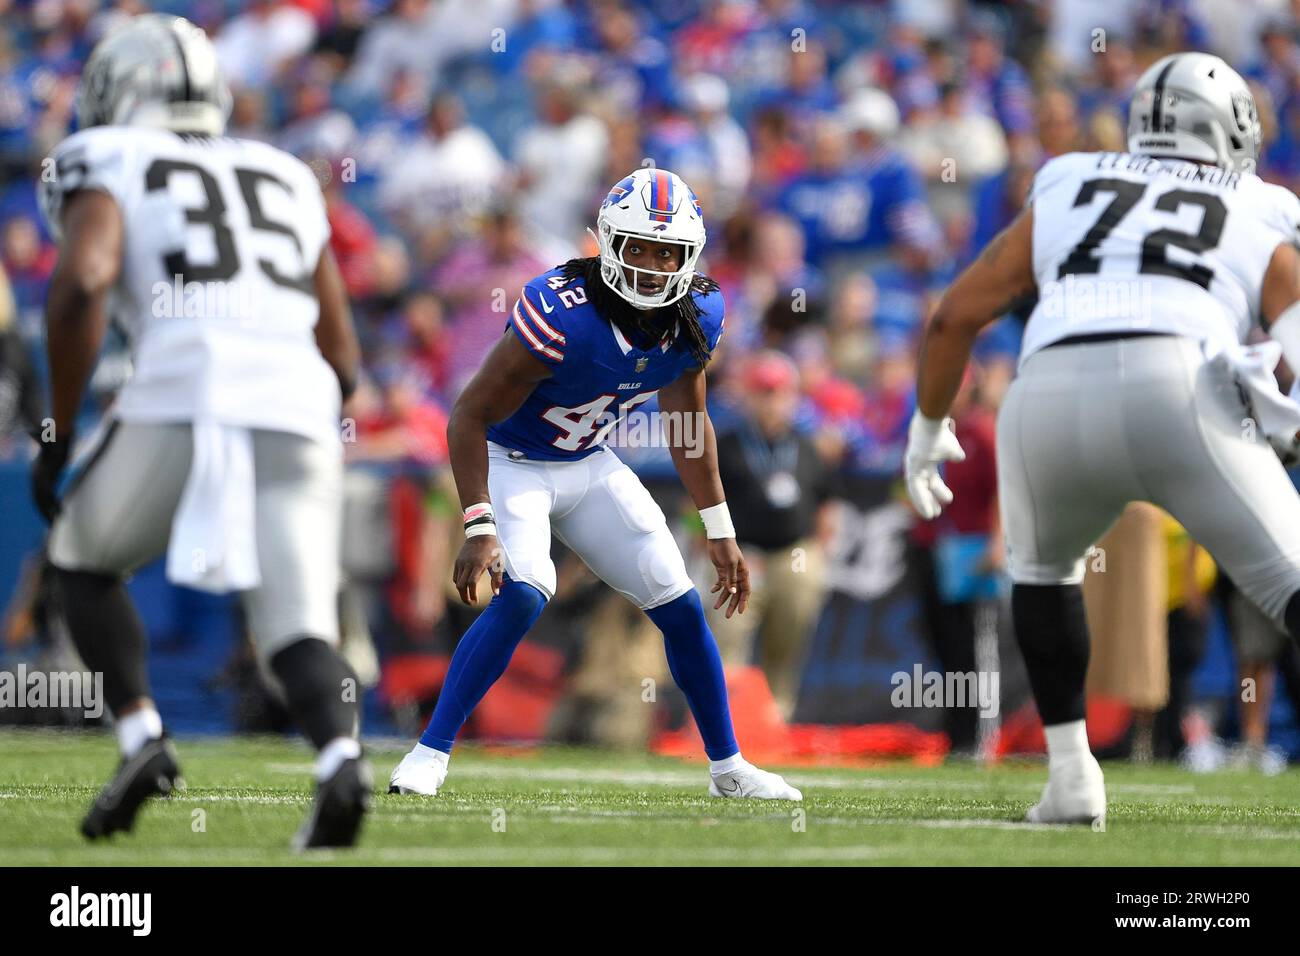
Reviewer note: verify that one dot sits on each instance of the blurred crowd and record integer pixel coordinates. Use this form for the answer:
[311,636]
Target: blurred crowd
[850,157]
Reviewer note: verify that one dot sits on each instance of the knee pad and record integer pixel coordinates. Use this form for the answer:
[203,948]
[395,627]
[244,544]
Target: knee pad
[663,570]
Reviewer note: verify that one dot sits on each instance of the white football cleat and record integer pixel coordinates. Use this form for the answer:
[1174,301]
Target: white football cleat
[1075,793]
[749,781]
[419,773]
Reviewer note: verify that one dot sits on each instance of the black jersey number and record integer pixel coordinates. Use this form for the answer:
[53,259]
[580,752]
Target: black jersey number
[1155,254]
[213,215]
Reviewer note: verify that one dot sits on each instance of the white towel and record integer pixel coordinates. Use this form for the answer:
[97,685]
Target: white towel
[213,543]
[1276,415]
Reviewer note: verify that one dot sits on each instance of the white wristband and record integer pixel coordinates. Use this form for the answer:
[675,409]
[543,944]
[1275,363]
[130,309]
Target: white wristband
[479,519]
[717,522]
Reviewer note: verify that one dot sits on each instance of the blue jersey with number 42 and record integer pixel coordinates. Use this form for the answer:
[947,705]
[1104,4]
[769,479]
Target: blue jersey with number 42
[597,376]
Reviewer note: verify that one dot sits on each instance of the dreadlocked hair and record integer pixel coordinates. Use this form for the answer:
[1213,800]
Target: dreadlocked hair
[644,326]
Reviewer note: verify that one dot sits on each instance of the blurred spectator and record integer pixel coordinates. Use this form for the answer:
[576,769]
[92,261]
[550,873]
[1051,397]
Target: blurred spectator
[248,116]
[19,108]
[964,555]
[341,39]
[405,40]
[447,176]
[21,399]
[1277,74]
[771,278]
[390,127]
[995,80]
[1110,84]
[561,157]
[777,485]
[479,283]
[1125,593]
[999,198]
[396,515]
[954,147]
[314,127]
[427,345]
[1192,574]
[712,41]
[728,163]
[1259,646]
[352,237]
[778,155]
[543,26]
[898,218]
[253,47]
[28,261]
[848,325]
[1076,28]
[633,69]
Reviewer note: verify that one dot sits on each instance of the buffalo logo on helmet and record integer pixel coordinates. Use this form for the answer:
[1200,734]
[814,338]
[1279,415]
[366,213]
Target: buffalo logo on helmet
[621,189]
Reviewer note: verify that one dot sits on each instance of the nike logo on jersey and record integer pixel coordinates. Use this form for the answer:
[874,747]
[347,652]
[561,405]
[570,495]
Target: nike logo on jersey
[546,307]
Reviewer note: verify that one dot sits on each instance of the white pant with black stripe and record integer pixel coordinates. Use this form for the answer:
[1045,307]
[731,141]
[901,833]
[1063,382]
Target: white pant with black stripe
[1086,428]
[117,517]
[597,508]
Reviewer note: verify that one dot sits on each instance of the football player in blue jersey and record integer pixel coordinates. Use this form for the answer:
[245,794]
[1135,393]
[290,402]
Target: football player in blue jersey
[585,344]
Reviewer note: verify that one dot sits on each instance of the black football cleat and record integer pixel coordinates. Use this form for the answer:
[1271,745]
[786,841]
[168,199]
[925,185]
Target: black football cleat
[154,771]
[341,803]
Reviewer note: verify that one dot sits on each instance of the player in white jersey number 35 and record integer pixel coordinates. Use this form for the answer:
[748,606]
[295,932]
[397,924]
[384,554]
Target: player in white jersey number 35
[223,450]
[1150,268]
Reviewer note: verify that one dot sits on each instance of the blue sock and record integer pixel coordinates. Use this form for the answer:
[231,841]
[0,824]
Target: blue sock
[480,658]
[696,666]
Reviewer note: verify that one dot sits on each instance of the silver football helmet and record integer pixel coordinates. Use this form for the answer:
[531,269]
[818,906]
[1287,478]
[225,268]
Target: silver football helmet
[154,70]
[1195,106]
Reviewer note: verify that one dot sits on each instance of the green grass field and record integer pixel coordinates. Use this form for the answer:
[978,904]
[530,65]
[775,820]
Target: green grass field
[561,806]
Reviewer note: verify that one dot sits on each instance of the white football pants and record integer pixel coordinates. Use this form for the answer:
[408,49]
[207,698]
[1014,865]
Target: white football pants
[1086,428]
[117,516]
[598,509]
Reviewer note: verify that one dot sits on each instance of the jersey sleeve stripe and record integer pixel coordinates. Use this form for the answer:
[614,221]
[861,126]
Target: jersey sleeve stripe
[531,337]
[546,328]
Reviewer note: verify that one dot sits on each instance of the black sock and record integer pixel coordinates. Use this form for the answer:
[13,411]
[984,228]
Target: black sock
[1292,617]
[1052,632]
[321,688]
[107,632]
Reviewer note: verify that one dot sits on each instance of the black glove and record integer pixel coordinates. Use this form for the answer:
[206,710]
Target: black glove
[46,469]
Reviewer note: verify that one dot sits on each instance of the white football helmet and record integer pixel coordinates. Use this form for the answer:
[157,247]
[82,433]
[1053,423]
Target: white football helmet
[657,205]
[1195,106]
[154,70]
